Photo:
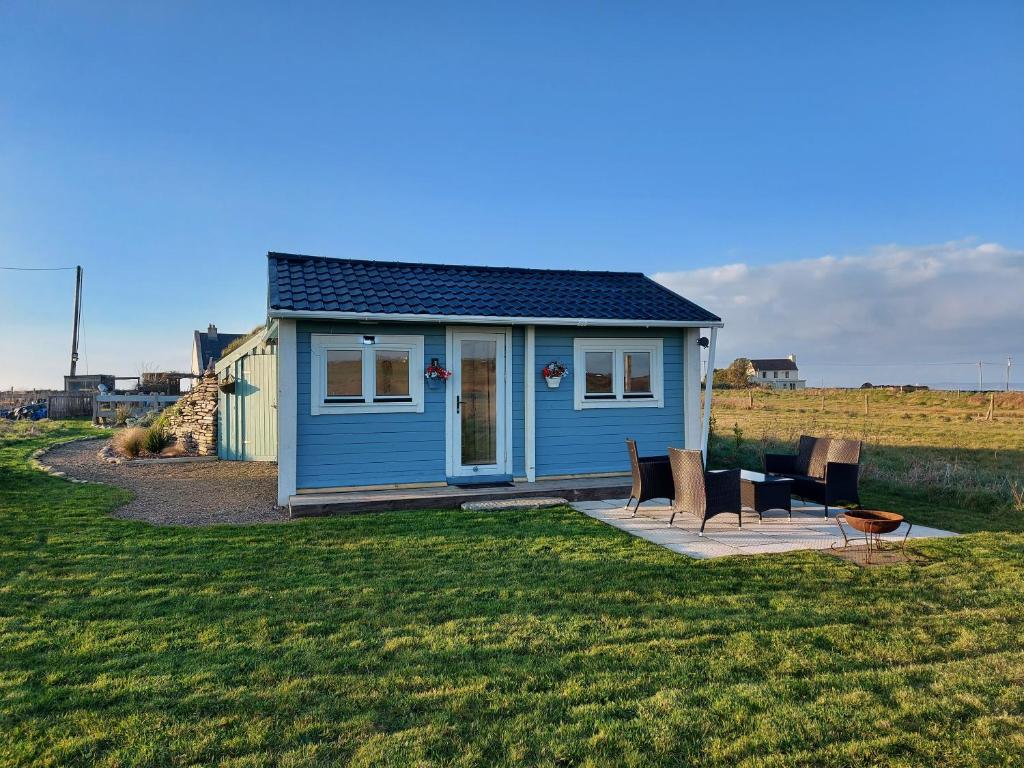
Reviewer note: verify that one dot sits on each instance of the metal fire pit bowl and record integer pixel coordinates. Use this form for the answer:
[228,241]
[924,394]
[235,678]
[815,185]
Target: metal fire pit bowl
[873,523]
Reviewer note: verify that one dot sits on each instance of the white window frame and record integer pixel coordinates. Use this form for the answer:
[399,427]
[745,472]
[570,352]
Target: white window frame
[618,348]
[322,343]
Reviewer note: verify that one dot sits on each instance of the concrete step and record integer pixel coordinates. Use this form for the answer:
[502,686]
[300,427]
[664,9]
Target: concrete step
[451,497]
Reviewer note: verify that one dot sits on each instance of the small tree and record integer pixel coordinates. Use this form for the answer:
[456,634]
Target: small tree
[735,376]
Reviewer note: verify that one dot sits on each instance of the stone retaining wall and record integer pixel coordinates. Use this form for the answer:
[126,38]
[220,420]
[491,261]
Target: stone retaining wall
[195,423]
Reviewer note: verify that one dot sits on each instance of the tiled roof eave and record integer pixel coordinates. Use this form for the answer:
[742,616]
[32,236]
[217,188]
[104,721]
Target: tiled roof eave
[311,286]
[497,319]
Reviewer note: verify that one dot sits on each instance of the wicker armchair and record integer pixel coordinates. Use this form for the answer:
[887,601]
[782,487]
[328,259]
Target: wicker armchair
[700,493]
[652,477]
[824,470]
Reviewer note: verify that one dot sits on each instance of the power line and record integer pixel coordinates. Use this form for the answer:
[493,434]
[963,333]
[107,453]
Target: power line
[38,269]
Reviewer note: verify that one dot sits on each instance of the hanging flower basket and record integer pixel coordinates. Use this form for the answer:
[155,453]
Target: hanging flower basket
[436,372]
[227,385]
[554,372]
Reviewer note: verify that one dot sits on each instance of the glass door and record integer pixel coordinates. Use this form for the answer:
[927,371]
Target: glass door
[479,392]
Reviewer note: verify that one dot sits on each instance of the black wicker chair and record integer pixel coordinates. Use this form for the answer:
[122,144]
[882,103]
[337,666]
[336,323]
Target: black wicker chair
[700,493]
[652,477]
[824,470]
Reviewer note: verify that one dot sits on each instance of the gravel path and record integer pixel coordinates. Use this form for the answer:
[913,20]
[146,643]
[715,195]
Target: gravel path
[179,494]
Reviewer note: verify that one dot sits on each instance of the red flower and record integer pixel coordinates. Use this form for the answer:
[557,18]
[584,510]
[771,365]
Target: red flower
[554,370]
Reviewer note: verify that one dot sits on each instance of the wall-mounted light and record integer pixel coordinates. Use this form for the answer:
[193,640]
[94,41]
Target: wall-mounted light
[703,341]
[368,340]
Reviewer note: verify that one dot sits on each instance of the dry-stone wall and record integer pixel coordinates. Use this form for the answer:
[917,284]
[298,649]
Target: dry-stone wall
[195,423]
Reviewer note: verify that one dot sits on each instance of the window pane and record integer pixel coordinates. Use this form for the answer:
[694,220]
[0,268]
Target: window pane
[638,372]
[344,373]
[479,407]
[392,373]
[599,373]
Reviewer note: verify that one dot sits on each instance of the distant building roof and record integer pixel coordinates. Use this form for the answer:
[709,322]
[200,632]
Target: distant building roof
[774,364]
[319,284]
[211,343]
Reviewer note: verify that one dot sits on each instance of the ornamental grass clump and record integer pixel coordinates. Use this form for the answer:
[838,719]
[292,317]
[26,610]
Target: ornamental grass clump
[164,418]
[156,439]
[130,442]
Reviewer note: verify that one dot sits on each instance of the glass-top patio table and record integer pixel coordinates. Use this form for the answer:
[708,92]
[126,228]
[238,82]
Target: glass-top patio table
[761,493]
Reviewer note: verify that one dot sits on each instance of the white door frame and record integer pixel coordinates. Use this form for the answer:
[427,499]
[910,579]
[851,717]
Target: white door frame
[453,462]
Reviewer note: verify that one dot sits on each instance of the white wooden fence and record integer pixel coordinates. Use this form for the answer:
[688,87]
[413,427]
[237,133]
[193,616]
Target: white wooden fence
[105,406]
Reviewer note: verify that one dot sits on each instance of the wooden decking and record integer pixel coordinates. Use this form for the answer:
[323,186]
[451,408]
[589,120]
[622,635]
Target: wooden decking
[353,502]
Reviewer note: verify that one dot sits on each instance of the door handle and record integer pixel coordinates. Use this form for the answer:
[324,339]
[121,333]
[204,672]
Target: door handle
[458,403]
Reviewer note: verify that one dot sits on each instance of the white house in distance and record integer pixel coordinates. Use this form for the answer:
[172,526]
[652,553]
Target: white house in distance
[778,373]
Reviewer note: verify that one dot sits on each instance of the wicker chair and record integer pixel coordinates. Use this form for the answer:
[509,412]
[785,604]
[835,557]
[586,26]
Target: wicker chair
[652,477]
[824,470]
[700,493]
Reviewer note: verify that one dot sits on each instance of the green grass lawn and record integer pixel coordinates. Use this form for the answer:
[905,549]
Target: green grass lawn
[448,638]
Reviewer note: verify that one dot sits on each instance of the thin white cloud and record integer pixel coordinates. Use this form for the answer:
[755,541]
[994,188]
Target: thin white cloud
[949,302]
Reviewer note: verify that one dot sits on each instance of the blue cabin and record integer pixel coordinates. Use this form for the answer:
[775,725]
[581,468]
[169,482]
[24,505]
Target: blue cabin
[392,375]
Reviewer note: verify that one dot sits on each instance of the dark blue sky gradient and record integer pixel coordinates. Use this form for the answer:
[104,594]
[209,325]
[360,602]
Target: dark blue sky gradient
[156,143]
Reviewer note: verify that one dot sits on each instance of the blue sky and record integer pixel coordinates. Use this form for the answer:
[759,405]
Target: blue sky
[168,146]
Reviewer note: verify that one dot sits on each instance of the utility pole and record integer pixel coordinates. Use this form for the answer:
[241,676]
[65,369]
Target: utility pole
[981,384]
[78,315]
[1009,364]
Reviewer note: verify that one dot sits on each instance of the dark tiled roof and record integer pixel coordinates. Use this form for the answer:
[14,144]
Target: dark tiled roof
[774,364]
[213,348]
[318,284]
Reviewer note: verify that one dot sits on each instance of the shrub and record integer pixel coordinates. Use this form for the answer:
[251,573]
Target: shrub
[130,441]
[122,414]
[737,437]
[1017,495]
[148,418]
[163,420]
[156,439]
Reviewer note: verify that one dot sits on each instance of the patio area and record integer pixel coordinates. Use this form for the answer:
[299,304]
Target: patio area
[722,538]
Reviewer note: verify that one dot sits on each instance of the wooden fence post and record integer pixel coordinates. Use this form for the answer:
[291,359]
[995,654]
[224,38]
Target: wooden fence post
[991,405]
[867,410]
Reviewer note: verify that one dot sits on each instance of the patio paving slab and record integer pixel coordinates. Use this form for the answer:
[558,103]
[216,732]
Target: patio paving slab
[722,537]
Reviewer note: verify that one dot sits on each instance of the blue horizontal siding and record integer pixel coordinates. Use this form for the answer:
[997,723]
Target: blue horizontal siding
[370,448]
[377,449]
[571,441]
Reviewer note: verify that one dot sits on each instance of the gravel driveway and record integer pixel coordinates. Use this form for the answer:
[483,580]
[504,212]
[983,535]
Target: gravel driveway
[206,493]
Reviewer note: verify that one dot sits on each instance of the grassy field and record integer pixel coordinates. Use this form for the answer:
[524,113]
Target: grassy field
[935,456]
[448,638]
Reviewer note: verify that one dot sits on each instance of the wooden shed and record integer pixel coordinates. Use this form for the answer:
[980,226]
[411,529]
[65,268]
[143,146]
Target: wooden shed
[404,376]
[247,407]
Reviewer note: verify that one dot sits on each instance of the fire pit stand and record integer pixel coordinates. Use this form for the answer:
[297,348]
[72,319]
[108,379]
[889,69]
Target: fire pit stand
[873,524]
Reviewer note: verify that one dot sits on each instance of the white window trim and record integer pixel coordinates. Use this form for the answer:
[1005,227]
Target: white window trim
[618,347]
[321,343]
